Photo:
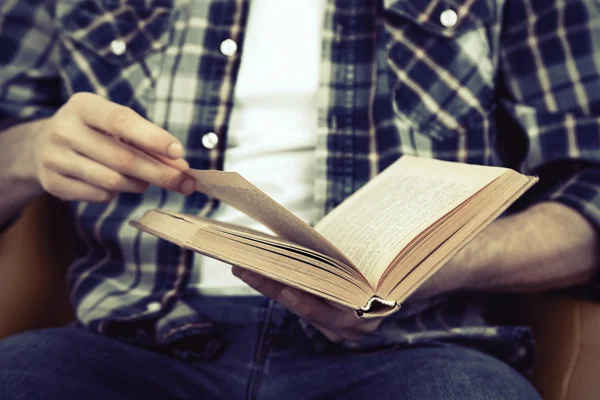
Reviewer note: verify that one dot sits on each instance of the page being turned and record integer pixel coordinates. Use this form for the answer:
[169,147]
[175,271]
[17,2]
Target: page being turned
[235,190]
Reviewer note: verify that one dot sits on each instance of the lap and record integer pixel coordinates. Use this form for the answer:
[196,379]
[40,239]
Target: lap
[71,363]
[456,373]
[422,373]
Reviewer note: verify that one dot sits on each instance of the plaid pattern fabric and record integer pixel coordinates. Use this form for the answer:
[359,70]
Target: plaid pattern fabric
[512,82]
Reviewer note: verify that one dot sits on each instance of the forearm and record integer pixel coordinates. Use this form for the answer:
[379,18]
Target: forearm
[546,246]
[17,177]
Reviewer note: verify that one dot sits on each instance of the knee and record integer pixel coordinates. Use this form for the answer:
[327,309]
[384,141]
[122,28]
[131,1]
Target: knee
[480,376]
[42,365]
[24,350]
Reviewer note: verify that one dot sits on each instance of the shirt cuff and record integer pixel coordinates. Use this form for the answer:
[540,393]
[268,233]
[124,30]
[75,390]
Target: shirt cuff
[580,192]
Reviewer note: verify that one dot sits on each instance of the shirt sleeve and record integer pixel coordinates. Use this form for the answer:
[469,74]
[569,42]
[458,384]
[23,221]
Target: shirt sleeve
[550,79]
[29,81]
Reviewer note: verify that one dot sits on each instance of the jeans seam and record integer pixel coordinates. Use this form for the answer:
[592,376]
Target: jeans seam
[259,356]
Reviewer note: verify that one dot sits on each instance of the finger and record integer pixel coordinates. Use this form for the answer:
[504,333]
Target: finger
[351,335]
[125,123]
[266,286]
[364,325]
[316,310]
[187,183]
[179,164]
[334,337]
[68,189]
[88,171]
[368,325]
[128,160]
[305,305]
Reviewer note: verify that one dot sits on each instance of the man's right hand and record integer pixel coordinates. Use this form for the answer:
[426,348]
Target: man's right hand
[92,148]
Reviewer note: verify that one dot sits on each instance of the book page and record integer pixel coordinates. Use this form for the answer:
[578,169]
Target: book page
[383,217]
[491,207]
[303,270]
[233,189]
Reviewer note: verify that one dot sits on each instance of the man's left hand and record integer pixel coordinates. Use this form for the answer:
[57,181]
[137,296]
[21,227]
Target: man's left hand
[336,322]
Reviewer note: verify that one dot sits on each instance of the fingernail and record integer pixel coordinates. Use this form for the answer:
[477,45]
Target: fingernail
[251,279]
[175,150]
[289,296]
[188,186]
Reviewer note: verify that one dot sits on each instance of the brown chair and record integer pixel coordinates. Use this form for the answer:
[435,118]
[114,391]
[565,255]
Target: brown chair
[567,333]
[34,255]
[35,252]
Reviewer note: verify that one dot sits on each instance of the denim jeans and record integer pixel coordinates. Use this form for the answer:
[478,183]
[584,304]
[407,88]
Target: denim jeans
[267,357]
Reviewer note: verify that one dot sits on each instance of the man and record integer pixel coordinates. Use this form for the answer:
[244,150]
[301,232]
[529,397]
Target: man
[105,103]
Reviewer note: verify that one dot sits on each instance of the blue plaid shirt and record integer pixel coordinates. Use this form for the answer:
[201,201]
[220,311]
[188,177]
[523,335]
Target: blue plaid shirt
[513,83]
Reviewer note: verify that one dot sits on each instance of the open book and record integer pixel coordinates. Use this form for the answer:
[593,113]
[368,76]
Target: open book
[373,250]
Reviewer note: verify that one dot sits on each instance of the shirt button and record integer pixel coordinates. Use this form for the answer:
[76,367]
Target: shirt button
[448,18]
[228,47]
[210,140]
[153,307]
[118,47]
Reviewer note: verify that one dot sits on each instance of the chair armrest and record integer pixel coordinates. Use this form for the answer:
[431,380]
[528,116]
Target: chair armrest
[567,333]
[34,255]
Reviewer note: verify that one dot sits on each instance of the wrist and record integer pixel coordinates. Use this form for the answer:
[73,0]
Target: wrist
[17,159]
[25,169]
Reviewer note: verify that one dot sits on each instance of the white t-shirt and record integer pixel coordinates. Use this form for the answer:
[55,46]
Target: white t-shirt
[272,131]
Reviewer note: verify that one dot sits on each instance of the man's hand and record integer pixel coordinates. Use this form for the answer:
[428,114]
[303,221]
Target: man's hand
[337,323]
[92,148]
